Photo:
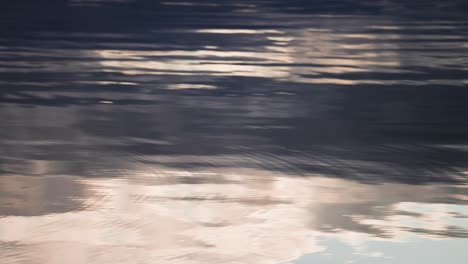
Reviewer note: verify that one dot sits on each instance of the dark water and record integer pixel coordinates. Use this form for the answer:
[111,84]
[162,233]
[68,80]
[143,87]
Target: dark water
[258,132]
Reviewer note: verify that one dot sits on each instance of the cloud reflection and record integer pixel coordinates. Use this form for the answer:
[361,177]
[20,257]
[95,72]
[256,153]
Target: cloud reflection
[187,223]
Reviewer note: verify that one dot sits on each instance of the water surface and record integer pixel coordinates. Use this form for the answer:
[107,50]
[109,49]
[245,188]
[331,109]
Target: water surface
[233,132]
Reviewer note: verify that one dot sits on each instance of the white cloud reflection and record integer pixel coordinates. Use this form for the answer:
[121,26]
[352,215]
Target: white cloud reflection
[255,217]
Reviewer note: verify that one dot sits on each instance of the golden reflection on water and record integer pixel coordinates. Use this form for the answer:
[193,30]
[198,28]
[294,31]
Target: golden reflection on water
[190,86]
[309,55]
[318,53]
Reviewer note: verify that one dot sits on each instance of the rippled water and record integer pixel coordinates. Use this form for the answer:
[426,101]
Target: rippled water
[233,132]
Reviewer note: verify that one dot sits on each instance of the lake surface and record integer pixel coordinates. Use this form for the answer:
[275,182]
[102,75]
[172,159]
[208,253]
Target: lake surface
[260,132]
